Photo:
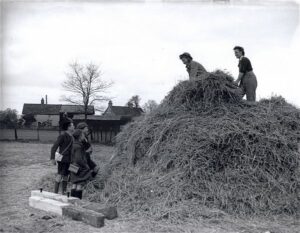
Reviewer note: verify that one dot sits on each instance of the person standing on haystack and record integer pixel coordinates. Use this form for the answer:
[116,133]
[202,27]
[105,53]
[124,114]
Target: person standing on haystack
[246,80]
[194,69]
[88,147]
[64,142]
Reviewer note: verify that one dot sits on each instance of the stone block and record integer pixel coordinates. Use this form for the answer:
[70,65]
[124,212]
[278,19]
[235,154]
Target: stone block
[54,196]
[46,204]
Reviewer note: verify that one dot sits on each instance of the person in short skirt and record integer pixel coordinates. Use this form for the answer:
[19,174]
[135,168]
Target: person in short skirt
[246,80]
[78,158]
[64,144]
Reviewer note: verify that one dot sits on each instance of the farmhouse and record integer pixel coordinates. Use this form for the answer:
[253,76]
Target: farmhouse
[122,111]
[50,114]
[103,127]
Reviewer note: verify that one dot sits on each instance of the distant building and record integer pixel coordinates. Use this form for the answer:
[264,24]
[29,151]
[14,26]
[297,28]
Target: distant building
[122,111]
[51,114]
[106,126]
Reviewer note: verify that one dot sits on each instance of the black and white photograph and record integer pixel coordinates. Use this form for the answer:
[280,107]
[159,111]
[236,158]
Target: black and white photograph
[141,116]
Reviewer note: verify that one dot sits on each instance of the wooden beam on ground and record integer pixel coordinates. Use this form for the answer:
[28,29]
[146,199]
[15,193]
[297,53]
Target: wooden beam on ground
[85,215]
[109,212]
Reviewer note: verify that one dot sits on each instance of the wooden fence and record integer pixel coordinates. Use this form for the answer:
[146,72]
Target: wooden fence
[46,135]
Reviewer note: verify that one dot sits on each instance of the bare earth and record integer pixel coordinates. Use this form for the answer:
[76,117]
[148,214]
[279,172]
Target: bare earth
[23,164]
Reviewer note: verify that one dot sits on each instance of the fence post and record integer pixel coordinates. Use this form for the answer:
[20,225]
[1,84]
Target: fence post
[16,134]
[38,133]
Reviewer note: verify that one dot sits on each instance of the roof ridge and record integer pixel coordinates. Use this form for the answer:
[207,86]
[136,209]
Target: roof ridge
[42,104]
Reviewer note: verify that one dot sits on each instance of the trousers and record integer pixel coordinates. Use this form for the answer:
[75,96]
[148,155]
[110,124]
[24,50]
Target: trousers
[248,85]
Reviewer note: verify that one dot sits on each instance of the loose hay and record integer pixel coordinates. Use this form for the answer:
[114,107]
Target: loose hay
[204,146]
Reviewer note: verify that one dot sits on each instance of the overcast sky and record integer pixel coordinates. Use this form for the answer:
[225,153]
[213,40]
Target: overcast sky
[137,45]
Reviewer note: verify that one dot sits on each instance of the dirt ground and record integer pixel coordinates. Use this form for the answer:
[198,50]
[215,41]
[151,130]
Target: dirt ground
[23,164]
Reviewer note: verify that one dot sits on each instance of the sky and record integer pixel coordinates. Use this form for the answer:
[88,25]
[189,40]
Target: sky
[137,44]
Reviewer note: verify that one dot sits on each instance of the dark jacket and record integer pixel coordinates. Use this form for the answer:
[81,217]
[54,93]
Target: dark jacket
[64,143]
[90,162]
[79,159]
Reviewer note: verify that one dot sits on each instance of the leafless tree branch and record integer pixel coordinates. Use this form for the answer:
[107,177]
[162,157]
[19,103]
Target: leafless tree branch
[86,85]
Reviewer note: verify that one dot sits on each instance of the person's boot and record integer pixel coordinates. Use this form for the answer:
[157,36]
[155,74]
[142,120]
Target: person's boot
[64,187]
[56,187]
[79,194]
[73,193]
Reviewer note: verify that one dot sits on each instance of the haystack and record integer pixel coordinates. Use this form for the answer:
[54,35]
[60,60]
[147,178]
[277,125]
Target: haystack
[204,146]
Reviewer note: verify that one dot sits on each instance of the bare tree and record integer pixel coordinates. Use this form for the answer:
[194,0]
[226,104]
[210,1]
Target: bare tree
[86,86]
[149,106]
[134,101]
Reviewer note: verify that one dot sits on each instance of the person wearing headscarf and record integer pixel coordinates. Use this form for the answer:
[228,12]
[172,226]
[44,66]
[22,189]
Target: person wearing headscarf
[246,80]
[88,147]
[78,158]
[194,69]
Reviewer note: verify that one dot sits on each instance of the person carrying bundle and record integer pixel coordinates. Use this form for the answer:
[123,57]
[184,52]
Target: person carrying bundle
[194,69]
[246,80]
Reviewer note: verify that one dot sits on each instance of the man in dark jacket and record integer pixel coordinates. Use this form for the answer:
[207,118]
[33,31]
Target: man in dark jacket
[64,143]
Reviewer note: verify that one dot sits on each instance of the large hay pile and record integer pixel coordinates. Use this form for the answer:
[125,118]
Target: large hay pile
[204,146]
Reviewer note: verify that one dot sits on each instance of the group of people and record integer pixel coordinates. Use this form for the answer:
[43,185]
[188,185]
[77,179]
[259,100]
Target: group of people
[74,162]
[75,149]
[246,79]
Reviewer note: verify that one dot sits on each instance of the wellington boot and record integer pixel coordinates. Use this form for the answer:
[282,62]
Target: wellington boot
[64,187]
[73,193]
[79,194]
[56,187]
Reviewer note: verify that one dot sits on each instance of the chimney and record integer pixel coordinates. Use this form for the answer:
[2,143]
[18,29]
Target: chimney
[46,99]
[42,101]
[110,103]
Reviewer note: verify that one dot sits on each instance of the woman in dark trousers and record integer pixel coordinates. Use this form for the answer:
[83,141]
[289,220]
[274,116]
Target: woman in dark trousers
[64,143]
[246,79]
[78,158]
[88,147]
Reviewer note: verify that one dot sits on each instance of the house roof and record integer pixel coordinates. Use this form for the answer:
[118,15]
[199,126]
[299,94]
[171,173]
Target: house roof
[54,109]
[98,118]
[78,109]
[41,109]
[124,111]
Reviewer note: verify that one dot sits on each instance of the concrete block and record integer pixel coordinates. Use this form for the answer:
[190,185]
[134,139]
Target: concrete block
[46,204]
[54,196]
[81,214]
[110,212]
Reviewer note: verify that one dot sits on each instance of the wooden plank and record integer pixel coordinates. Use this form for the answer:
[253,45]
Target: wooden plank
[110,212]
[85,215]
